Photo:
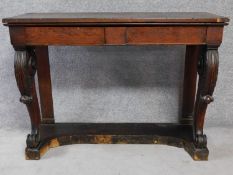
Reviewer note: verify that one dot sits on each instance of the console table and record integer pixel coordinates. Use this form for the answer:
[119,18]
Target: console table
[32,33]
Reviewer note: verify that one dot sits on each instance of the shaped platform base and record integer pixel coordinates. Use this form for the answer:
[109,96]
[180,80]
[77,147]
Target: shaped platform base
[59,134]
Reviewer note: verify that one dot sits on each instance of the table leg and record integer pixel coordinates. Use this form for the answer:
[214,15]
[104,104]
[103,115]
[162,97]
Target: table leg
[208,71]
[46,135]
[189,86]
[25,69]
[45,86]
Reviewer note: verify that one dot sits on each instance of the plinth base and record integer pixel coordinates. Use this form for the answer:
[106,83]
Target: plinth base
[54,135]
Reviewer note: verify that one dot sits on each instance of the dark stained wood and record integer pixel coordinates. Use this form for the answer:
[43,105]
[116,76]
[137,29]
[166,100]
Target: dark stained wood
[115,35]
[37,36]
[163,129]
[116,133]
[25,69]
[214,35]
[17,35]
[166,35]
[208,72]
[32,33]
[64,36]
[192,56]
[116,28]
[45,86]
[127,17]
[60,134]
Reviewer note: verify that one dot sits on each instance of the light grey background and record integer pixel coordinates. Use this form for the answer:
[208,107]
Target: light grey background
[116,84]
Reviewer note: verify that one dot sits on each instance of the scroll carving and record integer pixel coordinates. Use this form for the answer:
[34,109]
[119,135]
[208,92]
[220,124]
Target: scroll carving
[25,69]
[208,71]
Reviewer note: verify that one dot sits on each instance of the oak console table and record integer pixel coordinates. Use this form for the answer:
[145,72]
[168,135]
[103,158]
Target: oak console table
[31,34]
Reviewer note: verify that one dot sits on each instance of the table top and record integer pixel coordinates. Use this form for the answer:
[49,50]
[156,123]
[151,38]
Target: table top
[107,17]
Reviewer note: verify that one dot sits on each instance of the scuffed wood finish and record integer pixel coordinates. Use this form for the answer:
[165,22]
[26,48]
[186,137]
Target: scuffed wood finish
[60,134]
[31,34]
[45,85]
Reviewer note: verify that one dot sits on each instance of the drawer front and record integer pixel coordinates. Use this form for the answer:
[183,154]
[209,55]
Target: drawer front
[64,35]
[166,35]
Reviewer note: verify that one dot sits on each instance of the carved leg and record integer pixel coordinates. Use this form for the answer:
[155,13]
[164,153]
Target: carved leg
[208,71]
[189,85]
[25,69]
[45,86]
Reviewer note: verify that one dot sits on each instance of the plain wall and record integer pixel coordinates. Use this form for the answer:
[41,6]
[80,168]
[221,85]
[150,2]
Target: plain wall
[116,84]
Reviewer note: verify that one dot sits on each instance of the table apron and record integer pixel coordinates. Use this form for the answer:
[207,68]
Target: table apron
[152,35]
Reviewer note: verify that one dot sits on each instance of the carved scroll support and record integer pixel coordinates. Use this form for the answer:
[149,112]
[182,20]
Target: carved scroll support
[25,69]
[208,71]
